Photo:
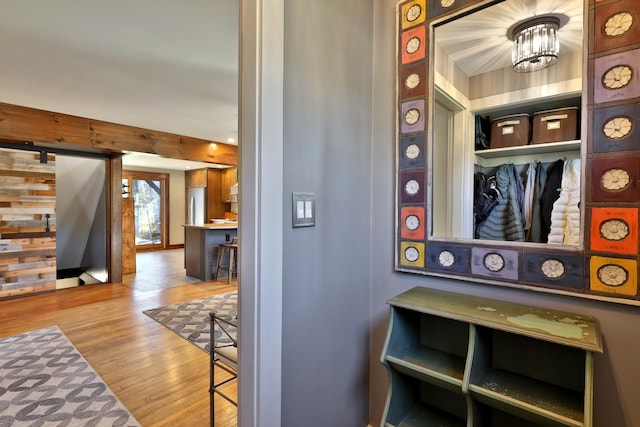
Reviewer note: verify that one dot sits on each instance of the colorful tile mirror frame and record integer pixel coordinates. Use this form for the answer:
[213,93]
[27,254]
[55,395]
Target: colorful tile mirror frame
[606,265]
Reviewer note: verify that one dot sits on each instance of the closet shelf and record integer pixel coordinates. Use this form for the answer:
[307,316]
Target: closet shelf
[532,149]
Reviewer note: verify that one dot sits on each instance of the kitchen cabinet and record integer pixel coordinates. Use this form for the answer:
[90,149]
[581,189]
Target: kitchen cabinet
[201,247]
[229,178]
[217,185]
[196,178]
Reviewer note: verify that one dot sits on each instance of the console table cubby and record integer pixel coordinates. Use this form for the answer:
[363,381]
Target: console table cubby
[459,360]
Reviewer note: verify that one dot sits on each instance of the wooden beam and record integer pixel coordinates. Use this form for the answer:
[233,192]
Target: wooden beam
[114,228]
[19,124]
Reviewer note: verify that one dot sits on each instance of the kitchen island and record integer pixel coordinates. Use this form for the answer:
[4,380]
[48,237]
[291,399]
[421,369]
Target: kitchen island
[201,247]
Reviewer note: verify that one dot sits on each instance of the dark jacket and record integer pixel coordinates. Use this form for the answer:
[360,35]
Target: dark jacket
[505,222]
[550,194]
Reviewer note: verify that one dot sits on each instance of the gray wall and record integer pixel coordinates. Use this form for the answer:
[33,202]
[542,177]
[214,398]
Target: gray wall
[80,225]
[616,371]
[326,282]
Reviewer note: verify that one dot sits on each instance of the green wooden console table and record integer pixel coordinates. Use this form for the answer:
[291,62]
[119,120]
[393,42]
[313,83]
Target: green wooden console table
[460,360]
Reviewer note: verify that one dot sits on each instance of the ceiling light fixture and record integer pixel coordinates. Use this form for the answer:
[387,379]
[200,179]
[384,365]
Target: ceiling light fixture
[535,43]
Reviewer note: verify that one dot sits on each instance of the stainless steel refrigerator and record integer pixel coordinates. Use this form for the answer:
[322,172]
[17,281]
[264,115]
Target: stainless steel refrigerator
[197,209]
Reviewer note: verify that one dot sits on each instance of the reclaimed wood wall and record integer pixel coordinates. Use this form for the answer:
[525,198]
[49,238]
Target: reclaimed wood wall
[27,245]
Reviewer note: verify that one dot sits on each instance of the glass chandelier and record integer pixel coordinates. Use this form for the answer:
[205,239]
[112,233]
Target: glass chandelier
[535,43]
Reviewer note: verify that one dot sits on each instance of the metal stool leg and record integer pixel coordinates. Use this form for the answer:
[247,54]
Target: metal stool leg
[230,270]
[233,260]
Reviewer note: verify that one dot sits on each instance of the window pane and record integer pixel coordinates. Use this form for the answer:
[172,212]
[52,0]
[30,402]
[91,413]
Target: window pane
[147,204]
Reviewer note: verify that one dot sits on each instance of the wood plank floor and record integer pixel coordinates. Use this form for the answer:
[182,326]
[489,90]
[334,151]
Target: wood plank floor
[160,377]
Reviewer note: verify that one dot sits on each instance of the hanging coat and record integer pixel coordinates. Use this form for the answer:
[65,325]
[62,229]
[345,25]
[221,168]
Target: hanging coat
[529,191]
[565,216]
[505,222]
[535,232]
[550,194]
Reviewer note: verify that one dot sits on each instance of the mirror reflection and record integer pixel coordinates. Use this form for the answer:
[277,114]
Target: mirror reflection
[505,128]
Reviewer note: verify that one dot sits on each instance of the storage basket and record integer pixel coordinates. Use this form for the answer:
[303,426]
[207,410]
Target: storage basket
[555,125]
[510,131]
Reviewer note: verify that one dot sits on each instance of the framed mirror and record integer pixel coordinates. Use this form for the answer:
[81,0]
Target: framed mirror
[513,127]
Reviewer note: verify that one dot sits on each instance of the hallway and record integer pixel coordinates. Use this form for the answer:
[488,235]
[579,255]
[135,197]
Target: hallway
[163,269]
[157,270]
[160,377]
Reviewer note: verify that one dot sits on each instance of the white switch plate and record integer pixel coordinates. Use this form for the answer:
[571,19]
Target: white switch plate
[304,209]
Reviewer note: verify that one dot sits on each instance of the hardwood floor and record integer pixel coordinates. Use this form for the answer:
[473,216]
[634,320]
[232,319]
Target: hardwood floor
[159,270]
[160,377]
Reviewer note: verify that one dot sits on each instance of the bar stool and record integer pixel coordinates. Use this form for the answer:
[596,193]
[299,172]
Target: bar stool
[233,258]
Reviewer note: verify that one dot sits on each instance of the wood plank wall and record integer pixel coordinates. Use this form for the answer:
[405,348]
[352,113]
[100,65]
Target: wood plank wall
[27,247]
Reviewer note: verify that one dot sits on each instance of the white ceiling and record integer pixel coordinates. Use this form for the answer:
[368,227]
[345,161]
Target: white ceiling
[144,160]
[165,65]
[478,43]
[172,65]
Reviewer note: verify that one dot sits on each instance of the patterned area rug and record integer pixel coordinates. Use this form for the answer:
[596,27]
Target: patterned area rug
[191,321]
[45,381]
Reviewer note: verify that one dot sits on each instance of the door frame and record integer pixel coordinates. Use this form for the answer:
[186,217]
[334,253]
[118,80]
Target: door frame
[261,207]
[130,175]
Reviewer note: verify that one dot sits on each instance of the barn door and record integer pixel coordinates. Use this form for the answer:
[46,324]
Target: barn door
[27,222]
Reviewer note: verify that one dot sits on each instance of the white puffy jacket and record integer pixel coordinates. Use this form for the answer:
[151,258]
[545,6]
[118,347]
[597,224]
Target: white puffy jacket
[565,216]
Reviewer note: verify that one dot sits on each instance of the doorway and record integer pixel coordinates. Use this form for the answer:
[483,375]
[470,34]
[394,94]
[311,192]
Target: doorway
[150,193]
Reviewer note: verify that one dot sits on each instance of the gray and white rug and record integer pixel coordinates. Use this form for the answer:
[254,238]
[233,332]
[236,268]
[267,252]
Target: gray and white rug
[45,381]
[191,321]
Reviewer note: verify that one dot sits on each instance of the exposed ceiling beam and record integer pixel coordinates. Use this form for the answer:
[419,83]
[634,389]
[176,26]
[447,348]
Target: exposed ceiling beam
[23,124]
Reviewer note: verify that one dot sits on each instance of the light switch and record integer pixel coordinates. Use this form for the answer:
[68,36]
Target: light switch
[304,210]
[308,209]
